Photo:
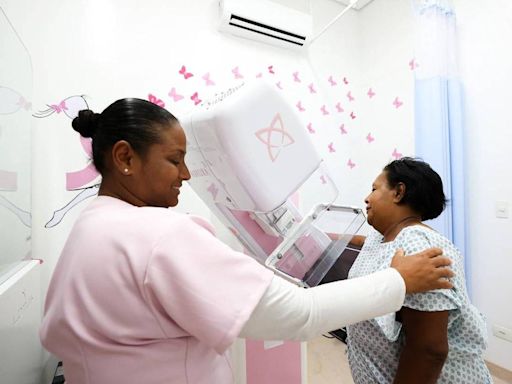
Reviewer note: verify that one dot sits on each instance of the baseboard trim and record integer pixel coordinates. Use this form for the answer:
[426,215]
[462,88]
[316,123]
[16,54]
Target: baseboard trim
[499,372]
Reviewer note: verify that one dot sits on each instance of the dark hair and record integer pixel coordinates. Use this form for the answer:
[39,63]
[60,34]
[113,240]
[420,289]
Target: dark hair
[137,121]
[423,186]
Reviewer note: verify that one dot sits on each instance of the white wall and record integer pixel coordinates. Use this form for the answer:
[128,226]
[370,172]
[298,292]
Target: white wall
[370,52]
[110,49]
[485,62]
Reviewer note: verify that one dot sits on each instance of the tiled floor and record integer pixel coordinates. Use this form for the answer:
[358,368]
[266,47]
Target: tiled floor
[327,363]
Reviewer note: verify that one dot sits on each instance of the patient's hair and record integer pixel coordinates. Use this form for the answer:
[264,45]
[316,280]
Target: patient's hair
[137,121]
[423,186]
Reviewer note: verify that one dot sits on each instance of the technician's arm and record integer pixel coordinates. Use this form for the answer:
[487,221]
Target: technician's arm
[288,312]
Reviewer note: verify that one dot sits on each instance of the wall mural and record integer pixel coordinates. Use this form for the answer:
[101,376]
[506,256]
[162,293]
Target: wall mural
[330,108]
[75,180]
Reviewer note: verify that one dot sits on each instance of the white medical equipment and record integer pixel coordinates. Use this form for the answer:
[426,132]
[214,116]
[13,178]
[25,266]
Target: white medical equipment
[254,165]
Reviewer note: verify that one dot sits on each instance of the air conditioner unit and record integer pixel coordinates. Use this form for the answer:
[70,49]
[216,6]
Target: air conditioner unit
[266,21]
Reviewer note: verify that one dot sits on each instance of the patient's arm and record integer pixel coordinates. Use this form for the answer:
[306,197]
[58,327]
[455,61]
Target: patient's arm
[356,240]
[426,346]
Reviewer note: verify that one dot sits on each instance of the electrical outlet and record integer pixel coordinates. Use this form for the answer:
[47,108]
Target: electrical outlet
[502,332]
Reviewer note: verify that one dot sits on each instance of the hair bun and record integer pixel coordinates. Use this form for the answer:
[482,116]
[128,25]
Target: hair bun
[86,123]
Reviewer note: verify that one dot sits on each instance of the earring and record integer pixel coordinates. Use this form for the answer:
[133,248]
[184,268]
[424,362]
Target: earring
[126,170]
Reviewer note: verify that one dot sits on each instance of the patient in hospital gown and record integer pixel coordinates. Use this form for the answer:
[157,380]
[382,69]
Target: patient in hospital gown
[437,336]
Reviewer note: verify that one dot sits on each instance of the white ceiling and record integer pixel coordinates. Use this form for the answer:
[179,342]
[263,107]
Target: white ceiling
[360,4]
[300,5]
[303,5]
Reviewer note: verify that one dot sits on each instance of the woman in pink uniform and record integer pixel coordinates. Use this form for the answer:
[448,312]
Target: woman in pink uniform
[142,294]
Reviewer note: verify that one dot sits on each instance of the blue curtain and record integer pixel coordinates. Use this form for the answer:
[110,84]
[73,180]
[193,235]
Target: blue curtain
[439,123]
[439,136]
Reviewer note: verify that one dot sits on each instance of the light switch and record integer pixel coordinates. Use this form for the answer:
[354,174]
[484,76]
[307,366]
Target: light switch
[502,209]
[502,332]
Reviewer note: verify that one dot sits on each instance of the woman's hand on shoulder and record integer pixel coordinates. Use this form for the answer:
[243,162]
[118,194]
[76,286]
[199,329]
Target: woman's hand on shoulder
[424,271]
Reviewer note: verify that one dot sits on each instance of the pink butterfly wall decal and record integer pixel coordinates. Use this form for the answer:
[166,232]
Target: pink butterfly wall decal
[324,110]
[397,155]
[413,64]
[296,77]
[312,88]
[339,108]
[61,107]
[195,98]
[278,85]
[70,106]
[350,97]
[12,101]
[310,128]
[397,103]
[343,130]
[259,75]
[331,147]
[352,115]
[207,80]
[370,93]
[212,188]
[186,75]
[351,164]
[236,73]
[175,96]
[25,104]
[155,100]
[332,81]
[271,69]
[300,107]
[345,81]
[369,138]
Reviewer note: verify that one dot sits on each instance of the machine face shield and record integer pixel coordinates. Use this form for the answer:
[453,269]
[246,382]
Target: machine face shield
[253,163]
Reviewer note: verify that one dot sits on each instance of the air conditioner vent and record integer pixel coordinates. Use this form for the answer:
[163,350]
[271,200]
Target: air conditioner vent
[266,30]
[266,21]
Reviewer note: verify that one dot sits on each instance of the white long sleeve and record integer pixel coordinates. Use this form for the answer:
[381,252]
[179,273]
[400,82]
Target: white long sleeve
[288,312]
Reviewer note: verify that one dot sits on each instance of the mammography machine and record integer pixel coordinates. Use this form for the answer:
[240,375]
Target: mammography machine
[253,163]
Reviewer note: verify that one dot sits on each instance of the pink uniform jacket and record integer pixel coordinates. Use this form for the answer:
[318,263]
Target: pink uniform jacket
[147,295]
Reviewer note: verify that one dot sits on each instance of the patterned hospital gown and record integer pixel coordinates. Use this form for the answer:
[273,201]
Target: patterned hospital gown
[374,346]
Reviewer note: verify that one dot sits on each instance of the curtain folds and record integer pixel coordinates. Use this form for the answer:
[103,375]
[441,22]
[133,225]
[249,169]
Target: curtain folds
[439,122]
